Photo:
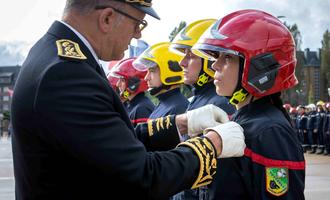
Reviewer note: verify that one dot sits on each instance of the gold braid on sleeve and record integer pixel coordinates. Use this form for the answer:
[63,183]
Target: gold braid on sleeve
[207,159]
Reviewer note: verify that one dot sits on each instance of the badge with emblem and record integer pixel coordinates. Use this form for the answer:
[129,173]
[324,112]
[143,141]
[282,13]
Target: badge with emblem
[277,180]
[69,49]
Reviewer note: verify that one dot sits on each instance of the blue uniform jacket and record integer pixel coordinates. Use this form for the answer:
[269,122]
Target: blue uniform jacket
[139,109]
[170,102]
[271,146]
[207,95]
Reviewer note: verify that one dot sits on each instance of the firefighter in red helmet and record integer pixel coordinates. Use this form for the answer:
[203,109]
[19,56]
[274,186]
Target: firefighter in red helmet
[255,60]
[132,87]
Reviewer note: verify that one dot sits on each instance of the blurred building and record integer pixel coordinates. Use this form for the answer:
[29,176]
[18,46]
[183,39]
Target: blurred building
[308,73]
[8,76]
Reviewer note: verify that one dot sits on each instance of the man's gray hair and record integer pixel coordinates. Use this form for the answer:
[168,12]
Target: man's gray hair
[85,5]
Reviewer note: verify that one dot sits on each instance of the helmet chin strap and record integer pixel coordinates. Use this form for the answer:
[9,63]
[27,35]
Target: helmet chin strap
[239,94]
[125,94]
[203,77]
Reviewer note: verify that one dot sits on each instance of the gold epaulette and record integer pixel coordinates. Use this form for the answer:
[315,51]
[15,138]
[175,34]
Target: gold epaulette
[69,49]
[207,160]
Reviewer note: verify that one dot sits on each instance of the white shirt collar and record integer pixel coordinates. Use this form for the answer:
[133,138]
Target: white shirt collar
[85,41]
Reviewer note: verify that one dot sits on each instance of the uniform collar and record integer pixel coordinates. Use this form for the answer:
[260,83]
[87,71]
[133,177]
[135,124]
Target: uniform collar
[200,90]
[259,105]
[137,99]
[168,94]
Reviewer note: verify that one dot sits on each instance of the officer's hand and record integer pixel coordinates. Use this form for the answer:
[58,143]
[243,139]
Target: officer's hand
[232,137]
[205,117]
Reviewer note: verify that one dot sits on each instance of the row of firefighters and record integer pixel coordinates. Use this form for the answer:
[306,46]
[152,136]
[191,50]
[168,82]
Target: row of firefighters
[312,124]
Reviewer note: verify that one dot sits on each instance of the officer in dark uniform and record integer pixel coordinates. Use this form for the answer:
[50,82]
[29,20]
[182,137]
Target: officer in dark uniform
[254,57]
[311,128]
[72,136]
[132,87]
[198,74]
[320,116]
[302,127]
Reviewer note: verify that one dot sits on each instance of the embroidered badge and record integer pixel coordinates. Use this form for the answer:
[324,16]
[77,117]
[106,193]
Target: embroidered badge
[277,180]
[69,49]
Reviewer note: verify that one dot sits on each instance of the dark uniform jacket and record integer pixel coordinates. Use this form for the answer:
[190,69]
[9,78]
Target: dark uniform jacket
[73,139]
[207,95]
[139,109]
[273,166]
[170,102]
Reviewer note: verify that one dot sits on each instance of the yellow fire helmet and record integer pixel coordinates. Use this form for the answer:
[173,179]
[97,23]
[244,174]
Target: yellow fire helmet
[158,55]
[320,103]
[189,36]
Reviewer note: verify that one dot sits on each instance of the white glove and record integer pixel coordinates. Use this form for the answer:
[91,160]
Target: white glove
[232,136]
[205,117]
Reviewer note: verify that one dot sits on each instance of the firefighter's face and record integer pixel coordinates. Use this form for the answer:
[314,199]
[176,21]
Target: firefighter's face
[226,73]
[153,77]
[121,84]
[192,66]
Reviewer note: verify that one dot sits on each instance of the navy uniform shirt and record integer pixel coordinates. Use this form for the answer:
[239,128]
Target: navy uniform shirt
[204,95]
[273,165]
[207,95]
[73,138]
[139,109]
[170,102]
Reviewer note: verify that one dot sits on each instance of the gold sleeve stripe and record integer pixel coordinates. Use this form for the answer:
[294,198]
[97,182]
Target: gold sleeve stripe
[150,129]
[207,160]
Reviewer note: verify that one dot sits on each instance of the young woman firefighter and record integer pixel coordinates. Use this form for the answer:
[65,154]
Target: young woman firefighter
[254,56]
[164,77]
[198,74]
[132,87]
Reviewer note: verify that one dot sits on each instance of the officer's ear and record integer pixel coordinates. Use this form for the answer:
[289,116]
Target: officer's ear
[106,19]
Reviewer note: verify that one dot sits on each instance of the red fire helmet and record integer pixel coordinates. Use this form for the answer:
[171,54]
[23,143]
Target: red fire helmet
[266,45]
[134,79]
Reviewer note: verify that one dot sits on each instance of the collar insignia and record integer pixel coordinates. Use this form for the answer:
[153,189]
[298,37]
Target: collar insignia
[69,49]
[277,180]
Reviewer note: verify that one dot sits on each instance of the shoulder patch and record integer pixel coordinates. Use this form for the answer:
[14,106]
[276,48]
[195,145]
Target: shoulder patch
[69,49]
[277,180]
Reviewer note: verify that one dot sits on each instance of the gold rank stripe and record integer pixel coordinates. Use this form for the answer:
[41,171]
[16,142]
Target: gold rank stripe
[150,129]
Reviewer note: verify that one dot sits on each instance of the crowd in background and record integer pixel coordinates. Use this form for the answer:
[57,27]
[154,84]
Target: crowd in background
[312,124]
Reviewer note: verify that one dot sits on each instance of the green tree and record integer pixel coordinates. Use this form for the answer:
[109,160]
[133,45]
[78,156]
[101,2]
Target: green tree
[176,30]
[325,66]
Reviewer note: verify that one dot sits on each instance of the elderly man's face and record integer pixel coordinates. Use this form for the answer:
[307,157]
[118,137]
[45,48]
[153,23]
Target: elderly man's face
[126,23]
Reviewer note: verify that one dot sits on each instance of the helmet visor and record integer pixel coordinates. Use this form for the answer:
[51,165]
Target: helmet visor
[142,64]
[114,72]
[179,49]
[211,52]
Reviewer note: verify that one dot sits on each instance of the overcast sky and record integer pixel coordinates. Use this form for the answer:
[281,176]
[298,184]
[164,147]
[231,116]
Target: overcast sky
[23,22]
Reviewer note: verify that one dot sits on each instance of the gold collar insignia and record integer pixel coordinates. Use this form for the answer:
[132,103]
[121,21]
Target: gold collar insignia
[69,49]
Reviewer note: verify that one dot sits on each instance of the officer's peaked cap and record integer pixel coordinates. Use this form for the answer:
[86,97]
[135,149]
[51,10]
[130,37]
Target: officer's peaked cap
[143,5]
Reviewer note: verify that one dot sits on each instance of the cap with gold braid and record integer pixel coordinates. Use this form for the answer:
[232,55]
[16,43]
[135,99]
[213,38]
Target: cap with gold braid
[144,6]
